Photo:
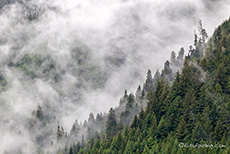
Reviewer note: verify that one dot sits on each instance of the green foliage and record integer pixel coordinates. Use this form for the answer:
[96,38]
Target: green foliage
[192,110]
[111,124]
[148,86]
[37,66]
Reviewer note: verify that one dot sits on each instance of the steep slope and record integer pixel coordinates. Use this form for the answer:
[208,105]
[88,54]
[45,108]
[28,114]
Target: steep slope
[92,129]
[61,60]
[191,116]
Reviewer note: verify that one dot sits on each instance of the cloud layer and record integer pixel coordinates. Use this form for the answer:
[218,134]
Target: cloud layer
[98,49]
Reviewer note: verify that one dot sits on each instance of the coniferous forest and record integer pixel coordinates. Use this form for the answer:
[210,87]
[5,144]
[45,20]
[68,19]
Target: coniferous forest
[114,77]
[187,111]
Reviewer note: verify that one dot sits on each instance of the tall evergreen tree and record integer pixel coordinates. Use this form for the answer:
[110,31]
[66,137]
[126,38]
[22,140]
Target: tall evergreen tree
[173,58]
[148,85]
[111,124]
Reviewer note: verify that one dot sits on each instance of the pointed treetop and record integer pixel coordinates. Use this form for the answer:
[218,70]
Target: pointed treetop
[173,58]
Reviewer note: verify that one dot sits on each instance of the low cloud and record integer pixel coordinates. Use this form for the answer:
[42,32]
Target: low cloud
[96,49]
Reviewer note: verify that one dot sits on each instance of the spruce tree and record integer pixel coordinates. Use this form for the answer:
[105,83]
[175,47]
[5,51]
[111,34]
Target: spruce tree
[148,85]
[111,124]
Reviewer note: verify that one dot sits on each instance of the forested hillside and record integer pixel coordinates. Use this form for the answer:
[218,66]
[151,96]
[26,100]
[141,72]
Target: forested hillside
[119,118]
[120,76]
[189,115]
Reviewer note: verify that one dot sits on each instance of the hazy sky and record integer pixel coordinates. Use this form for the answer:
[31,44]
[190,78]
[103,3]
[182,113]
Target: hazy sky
[121,40]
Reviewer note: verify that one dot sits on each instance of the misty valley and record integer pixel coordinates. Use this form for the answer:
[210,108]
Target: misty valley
[114,77]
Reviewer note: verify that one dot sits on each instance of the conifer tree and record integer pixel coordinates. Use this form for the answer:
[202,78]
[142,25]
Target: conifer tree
[179,60]
[202,31]
[148,85]
[181,131]
[219,130]
[138,93]
[111,124]
[198,133]
[195,39]
[39,113]
[130,103]
[60,132]
[173,58]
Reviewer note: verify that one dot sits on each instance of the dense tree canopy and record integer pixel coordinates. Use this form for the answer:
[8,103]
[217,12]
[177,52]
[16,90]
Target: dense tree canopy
[189,114]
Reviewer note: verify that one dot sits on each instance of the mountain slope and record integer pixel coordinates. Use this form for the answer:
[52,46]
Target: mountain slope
[191,116]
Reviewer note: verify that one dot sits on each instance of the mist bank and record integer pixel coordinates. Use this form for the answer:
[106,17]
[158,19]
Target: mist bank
[78,57]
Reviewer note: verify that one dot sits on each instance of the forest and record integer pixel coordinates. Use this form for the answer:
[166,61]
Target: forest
[114,77]
[187,111]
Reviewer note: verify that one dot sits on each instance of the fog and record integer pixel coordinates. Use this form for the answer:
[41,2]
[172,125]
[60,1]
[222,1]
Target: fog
[93,51]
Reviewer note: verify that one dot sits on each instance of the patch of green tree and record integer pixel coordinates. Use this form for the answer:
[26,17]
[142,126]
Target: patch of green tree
[192,115]
[37,66]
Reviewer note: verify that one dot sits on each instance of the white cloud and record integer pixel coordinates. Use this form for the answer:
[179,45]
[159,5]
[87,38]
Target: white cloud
[123,38]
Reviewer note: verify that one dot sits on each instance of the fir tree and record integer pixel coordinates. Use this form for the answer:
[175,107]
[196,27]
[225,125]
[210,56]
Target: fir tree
[148,85]
[111,124]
